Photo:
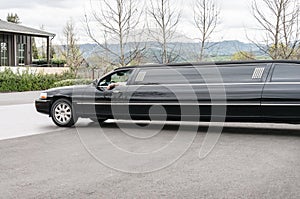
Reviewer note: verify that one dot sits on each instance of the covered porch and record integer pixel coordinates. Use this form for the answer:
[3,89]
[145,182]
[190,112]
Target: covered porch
[16,44]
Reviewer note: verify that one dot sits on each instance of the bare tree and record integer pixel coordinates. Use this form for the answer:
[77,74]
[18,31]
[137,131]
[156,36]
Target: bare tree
[206,19]
[119,19]
[165,19]
[71,51]
[279,20]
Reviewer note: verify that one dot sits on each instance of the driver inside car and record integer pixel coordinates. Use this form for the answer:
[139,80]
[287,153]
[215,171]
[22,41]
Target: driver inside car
[114,85]
[118,79]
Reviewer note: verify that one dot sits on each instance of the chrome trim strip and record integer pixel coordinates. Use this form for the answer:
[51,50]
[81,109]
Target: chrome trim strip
[172,104]
[42,101]
[265,104]
[204,84]
[283,83]
[186,104]
[224,84]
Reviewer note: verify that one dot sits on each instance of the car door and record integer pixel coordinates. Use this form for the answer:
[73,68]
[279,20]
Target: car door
[111,106]
[232,91]
[244,85]
[160,93]
[86,102]
[281,95]
[96,99]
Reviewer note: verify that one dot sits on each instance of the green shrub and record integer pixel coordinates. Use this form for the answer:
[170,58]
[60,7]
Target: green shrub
[58,62]
[26,81]
[54,62]
[40,62]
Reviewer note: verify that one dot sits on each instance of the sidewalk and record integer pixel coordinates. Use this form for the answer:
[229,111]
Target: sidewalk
[18,98]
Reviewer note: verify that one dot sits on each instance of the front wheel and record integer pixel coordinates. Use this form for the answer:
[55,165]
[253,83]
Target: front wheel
[63,114]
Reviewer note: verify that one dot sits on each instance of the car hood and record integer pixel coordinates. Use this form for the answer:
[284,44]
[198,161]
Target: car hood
[68,90]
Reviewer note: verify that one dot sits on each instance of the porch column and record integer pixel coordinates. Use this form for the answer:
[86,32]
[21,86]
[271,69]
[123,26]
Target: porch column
[48,51]
[14,59]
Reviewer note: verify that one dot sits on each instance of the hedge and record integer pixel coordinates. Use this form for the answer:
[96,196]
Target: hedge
[26,81]
[53,63]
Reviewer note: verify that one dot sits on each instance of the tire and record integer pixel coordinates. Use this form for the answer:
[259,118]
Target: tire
[62,113]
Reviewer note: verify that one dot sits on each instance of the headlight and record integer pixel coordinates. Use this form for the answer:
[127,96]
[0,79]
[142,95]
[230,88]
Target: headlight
[43,96]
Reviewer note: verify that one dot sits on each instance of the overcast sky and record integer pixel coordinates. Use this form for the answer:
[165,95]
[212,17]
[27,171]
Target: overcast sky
[236,18]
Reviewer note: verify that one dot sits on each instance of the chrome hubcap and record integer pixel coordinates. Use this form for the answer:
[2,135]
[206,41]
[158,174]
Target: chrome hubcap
[63,113]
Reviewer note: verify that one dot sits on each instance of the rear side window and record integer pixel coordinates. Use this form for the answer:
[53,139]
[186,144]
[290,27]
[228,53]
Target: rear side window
[161,76]
[242,74]
[286,73]
[201,75]
[175,75]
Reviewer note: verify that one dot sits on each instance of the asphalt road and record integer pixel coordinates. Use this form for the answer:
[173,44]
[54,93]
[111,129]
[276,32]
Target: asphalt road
[18,98]
[248,161]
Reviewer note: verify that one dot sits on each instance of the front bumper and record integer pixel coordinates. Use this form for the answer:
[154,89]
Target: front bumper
[43,106]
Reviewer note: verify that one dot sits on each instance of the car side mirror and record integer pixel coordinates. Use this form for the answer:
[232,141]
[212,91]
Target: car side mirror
[102,86]
[95,82]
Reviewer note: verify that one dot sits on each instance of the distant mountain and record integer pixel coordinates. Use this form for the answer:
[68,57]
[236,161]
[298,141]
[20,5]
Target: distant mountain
[151,35]
[186,49]
[226,48]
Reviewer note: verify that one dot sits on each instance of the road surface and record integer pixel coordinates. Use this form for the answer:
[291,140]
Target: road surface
[43,161]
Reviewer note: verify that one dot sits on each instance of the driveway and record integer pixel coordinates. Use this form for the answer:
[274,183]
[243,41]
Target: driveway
[43,161]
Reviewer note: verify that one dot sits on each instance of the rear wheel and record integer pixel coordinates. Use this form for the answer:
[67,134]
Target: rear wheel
[63,114]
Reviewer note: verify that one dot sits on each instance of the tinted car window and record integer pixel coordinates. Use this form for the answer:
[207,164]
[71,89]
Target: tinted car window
[243,74]
[200,75]
[167,76]
[286,73]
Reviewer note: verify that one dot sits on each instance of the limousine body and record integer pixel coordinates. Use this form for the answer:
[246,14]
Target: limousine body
[253,91]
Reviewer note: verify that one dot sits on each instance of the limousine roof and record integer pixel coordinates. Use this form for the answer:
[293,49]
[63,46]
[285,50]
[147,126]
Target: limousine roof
[214,63]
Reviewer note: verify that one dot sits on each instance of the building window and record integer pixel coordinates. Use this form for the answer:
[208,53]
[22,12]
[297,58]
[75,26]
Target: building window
[3,56]
[21,54]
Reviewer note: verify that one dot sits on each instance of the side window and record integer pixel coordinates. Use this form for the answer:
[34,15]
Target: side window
[171,75]
[117,77]
[201,75]
[286,73]
[3,54]
[229,74]
[243,74]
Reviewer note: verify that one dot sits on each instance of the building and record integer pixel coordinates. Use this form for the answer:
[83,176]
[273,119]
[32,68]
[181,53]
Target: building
[16,43]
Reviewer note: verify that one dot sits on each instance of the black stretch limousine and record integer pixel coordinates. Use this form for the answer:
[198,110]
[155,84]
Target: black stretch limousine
[259,91]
